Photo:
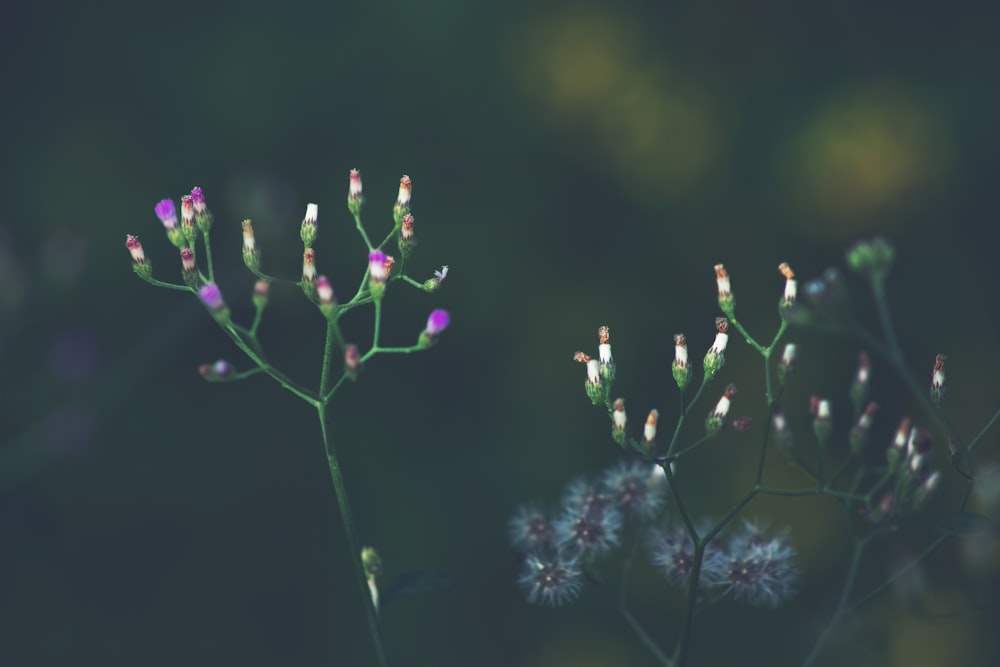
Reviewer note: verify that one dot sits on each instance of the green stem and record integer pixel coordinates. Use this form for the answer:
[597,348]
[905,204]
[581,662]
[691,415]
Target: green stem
[361,230]
[160,283]
[374,626]
[644,637]
[208,258]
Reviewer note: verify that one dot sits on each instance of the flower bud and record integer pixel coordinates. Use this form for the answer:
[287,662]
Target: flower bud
[187,219]
[649,430]
[251,255]
[819,408]
[619,422]
[202,216]
[898,449]
[926,490]
[406,239]
[212,298]
[871,258]
[860,432]
[309,273]
[220,371]
[726,300]
[938,388]
[167,213]
[402,206]
[789,363]
[309,228]
[604,354]
[680,365]
[261,292]
[324,292]
[782,432]
[717,418]
[861,386]
[372,565]
[791,287]
[437,322]
[352,361]
[354,198]
[142,266]
[189,270]
[377,275]
[716,356]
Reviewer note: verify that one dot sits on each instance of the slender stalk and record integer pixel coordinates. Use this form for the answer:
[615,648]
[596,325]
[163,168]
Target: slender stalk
[644,637]
[374,626]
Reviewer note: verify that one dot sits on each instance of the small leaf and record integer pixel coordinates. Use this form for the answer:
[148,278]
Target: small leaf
[417,582]
[968,523]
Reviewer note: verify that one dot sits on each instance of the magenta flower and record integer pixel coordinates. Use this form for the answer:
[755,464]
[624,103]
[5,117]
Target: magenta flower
[211,297]
[376,266]
[167,213]
[437,322]
[198,200]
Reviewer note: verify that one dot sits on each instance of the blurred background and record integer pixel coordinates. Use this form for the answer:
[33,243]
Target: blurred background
[575,163]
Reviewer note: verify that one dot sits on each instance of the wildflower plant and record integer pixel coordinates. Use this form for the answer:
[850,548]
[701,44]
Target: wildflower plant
[878,485]
[342,361]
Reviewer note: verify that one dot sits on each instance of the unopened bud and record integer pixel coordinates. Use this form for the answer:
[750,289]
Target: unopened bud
[819,408]
[860,432]
[402,206]
[220,371]
[377,275]
[926,490]
[202,216]
[898,449]
[437,322]
[871,258]
[354,198]
[594,385]
[938,388]
[324,292]
[189,269]
[618,422]
[726,300]
[789,363]
[791,286]
[212,298]
[680,365]
[352,361]
[308,283]
[717,418]
[187,219]
[861,386]
[918,450]
[716,356]
[372,565]
[604,354]
[251,255]
[261,292]
[782,432]
[142,267]
[649,430]
[310,228]
[406,237]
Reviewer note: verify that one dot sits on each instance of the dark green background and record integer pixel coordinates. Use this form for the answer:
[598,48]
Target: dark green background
[575,164]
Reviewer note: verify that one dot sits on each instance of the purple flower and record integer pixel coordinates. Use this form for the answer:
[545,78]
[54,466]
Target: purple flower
[167,213]
[198,200]
[376,266]
[437,322]
[211,297]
